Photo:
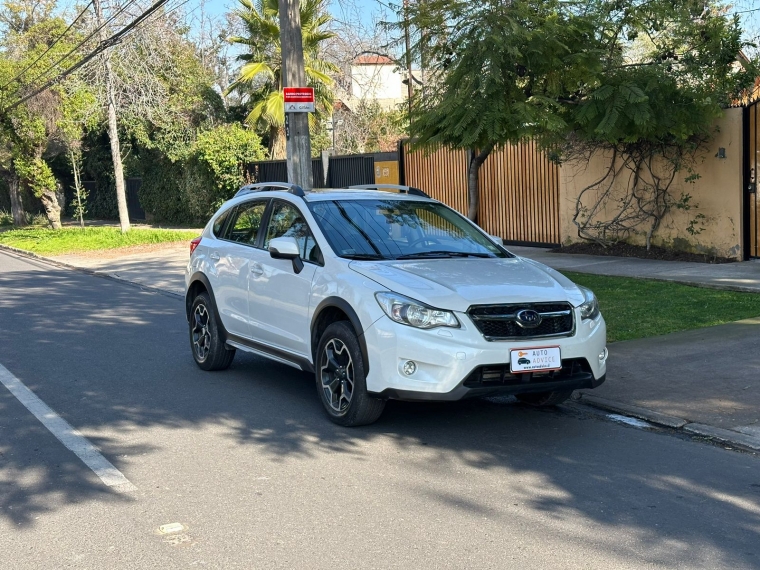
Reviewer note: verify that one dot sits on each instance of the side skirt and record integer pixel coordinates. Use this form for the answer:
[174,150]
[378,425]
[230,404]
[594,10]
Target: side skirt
[269,352]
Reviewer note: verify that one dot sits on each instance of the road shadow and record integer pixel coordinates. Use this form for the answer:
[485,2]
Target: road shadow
[111,358]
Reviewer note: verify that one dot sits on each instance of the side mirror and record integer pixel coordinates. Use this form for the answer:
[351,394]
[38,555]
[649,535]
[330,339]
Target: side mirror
[497,240]
[286,248]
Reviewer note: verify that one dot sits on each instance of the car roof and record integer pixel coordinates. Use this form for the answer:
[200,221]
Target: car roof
[320,194]
[325,194]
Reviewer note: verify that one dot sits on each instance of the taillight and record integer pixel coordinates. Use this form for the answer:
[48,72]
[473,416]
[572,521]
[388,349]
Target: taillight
[194,243]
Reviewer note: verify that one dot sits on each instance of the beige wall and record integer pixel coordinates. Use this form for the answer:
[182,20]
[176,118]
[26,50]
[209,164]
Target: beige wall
[718,194]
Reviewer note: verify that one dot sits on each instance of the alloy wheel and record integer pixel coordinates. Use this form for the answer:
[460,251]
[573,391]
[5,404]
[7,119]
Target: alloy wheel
[201,333]
[337,374]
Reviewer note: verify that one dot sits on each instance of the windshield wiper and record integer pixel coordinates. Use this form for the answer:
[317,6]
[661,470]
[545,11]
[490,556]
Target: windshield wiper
[363,256]
[442,254]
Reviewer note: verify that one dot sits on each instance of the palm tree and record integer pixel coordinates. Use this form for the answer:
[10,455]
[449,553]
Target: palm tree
[261,74]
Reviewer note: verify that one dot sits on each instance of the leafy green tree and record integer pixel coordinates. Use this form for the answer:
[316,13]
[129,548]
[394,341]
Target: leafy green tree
[500,71]
[670,68]
[261,73]
[497,72]
[34,132]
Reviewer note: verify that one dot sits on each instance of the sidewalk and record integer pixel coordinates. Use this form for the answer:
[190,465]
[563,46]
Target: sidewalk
[740,276]
[704,382]
[161,265]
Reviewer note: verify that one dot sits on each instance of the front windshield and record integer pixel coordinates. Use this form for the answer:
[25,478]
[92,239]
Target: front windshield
[399,229]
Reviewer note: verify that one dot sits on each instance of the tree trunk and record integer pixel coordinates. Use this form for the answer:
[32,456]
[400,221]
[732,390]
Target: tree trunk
[113,129]
[52,208]
[17,207]
[277,143]
[477,158]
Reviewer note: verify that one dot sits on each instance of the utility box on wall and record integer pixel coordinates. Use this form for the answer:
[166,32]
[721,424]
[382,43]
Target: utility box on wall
[386,172]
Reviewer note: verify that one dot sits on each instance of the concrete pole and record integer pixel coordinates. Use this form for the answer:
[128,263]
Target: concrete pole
[298,141]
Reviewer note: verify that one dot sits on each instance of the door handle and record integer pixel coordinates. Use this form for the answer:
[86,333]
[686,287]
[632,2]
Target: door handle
[214,256]
[256,269]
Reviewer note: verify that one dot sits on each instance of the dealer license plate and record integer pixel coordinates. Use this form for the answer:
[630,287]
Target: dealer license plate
[535,359]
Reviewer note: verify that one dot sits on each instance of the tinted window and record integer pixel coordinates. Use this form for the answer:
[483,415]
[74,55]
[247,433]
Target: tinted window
[287,221]
[246,222]
[219,223]
[399,229]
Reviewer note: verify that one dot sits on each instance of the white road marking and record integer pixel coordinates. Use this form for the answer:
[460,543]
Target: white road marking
[66,434]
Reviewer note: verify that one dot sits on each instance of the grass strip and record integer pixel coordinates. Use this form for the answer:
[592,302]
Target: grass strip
[638,308]
[73,240]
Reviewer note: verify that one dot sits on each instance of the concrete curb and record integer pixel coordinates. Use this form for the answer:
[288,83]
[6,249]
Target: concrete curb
[735,438]
[62,265]
[634,411]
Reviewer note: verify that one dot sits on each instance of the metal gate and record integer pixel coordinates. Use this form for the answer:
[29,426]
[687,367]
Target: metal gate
[134,207]
[751,201]
[277,171]
[348,170]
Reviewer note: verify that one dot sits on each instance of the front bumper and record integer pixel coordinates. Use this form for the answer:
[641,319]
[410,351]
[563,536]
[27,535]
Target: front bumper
[452,364]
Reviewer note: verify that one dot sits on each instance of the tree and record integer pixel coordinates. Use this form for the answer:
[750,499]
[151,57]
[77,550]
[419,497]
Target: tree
[113,127]
[497,73]
[669,70]
[556,71]
[37,130]
[261,73]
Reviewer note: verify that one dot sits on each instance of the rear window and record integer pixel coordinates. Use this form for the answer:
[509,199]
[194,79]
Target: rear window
[219,223]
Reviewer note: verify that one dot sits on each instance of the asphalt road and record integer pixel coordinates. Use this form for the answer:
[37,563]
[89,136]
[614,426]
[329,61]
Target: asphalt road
[258,477]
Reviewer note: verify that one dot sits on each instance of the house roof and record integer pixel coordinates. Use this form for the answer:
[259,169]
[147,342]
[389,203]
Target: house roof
[372,59]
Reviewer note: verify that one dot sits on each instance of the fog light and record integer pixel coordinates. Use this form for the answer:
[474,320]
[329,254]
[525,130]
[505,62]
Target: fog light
[409,368]
[603,355]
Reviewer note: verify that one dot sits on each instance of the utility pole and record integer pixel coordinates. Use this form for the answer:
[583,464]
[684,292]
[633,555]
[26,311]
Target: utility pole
[410,77]
[298,141]
[113,128]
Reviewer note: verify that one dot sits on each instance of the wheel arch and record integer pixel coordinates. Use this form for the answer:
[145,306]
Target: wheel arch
[331,310]
[198,284]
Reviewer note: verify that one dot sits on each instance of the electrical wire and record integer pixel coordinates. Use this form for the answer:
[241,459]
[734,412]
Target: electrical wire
[105,44]
[84,41]
[51,46]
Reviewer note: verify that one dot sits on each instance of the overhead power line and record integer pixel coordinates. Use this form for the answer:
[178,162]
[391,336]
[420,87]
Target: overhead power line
[51,46]
[80,44]
[105,44]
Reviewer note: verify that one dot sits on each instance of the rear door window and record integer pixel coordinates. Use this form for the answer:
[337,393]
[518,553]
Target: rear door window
[246,222]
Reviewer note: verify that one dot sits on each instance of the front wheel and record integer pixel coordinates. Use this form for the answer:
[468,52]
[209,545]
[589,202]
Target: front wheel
[208,348]
[544,399]
[341,381]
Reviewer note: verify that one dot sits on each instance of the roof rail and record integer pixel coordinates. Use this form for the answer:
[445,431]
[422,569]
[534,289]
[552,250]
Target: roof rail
[266,186]
[411,190]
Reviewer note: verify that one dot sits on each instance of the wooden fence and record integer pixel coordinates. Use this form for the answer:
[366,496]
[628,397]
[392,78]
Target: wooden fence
[519,189]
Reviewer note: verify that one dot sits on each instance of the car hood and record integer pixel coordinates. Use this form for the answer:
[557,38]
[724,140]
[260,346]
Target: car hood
[458,283]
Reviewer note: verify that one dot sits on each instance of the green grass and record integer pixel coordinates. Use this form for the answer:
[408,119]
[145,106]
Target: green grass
[72,240]
[637,308]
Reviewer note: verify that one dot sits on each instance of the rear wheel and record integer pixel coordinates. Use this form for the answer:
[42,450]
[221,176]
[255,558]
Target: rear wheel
[206,343]
[542,399]
[340,378]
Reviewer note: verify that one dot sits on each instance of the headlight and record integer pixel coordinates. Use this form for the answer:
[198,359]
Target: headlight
[413,313]
[590,307]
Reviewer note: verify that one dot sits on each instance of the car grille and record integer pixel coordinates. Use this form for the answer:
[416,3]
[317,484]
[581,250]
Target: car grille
[499,375]
[498,322]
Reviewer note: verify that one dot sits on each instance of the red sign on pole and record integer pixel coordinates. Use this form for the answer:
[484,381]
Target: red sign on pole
[298,99]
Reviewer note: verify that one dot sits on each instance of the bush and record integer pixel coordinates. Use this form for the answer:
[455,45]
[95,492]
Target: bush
[191,189]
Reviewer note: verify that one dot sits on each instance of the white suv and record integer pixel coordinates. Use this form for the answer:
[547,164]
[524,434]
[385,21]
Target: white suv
[385,295]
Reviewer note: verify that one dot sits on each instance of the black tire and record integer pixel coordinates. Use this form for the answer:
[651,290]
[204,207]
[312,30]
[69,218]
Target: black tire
[343,378]
[545,399]
[209,351]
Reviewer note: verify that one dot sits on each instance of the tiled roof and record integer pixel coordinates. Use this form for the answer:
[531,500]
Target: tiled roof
[373,60]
